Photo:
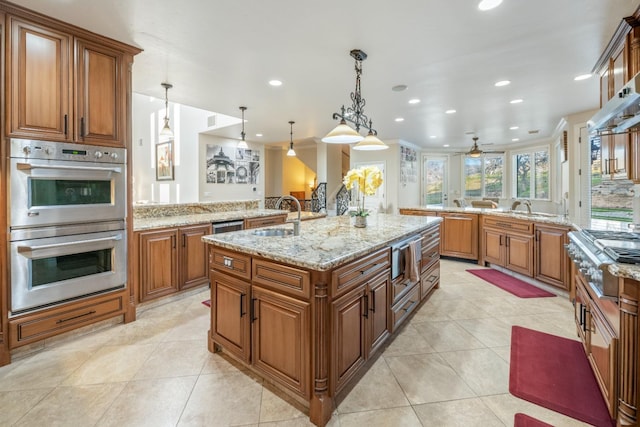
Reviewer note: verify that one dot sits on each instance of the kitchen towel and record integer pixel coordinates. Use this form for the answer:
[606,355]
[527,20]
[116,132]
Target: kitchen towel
[414,256]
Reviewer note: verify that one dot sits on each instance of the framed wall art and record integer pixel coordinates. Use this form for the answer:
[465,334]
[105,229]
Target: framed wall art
[164,161]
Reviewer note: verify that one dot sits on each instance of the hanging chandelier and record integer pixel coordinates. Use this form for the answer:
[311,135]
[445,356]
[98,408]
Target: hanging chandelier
[343,133]
[166,131]
[291,152]
[242,143]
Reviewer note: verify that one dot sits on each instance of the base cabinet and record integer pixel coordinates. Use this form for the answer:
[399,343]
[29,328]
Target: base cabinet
[230,320]
[509,244]
[551,259]
[170,260]
[459,235]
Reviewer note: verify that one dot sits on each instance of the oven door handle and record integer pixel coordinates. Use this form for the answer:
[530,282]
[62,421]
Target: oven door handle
[29,249]
[28,166]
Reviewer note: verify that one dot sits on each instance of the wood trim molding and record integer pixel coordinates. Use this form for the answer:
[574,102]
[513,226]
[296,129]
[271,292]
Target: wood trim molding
[626,25]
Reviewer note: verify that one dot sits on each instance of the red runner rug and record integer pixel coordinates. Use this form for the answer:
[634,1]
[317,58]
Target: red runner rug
[522,420]
[554,372]
[207,303]
[510,284]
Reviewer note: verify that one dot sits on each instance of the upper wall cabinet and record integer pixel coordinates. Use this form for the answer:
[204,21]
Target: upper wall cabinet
[63,87]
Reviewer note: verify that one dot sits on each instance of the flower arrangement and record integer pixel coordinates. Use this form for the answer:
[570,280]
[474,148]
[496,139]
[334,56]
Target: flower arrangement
[368,179]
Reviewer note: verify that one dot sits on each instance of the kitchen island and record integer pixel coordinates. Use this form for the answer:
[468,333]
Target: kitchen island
[309,312]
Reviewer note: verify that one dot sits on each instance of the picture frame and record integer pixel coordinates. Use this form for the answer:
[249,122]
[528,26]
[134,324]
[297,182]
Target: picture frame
[164,161]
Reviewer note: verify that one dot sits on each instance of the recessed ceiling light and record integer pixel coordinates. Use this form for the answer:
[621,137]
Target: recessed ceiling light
[515,101]
[432,136]
[502,83]
[516,139]
[414,101]
[258,134]
[399,88]
[445,145]
[450,111]
[488,4]
[399,119]
[275,82]
[582,77]
[514,128]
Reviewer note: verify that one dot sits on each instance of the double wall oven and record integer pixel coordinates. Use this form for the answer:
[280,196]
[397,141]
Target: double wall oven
[67,210]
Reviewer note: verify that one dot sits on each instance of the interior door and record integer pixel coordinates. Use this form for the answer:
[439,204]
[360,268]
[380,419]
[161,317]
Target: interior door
[435,171]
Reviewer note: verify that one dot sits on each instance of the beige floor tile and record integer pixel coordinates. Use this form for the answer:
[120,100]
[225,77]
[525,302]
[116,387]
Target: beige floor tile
[482,370]
[447,336]
[219,363]
[275,408]
[191,325]
[45,369]
[505,406]
[153,403]
[504,306]
[112,364]
[175,359]
[405,417]
[222,400]
[428,378]
[491,332]
[408,341]
[142,331]
[377,389]
[72,406]
[458,413]
[15,404]
[504,352]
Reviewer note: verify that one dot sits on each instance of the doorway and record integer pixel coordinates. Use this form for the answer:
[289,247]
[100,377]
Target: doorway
[435,170]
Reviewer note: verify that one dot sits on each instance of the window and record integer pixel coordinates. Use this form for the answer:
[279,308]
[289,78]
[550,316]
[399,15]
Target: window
[531,174]
[483,176]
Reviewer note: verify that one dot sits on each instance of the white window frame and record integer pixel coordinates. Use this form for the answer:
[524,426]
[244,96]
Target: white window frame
[483,157]
[531,151]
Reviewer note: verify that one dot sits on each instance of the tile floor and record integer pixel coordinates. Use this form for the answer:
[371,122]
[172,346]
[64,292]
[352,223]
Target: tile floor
[448,367]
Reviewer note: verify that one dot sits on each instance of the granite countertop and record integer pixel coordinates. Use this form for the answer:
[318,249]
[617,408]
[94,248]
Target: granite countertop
[540,217]
[627,271]
[326,242]
[200,218]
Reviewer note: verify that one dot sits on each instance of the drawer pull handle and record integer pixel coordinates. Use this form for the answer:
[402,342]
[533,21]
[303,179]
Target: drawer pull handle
[242,312]
[76,317]
[409,307]
[432,278]
[369,270]
[366,306]
[253,309]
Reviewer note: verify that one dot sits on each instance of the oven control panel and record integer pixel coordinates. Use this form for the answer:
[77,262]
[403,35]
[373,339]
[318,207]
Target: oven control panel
[46,150]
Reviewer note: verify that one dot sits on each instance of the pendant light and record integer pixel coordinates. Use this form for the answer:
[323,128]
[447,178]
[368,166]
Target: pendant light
[242,143]
[343,133]
[291,152]
[166,131]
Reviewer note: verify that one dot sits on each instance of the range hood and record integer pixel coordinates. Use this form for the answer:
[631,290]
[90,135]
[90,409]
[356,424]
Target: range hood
[620,113]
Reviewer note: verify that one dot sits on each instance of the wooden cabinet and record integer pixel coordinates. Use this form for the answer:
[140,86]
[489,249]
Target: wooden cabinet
[614,156]
[230,317]
[63,87]
[459,235]
[172,259]
[551,259]
[360,326]
[265,221]
[508,243]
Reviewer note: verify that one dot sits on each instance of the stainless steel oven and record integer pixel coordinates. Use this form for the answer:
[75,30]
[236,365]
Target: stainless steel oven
[53,264]
[60,183]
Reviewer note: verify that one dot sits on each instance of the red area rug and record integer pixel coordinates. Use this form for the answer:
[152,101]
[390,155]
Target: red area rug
[554,372]
[510,284]
[207,303]
[522,420]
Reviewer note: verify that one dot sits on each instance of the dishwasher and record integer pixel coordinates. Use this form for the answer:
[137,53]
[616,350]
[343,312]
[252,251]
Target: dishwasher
[225,226]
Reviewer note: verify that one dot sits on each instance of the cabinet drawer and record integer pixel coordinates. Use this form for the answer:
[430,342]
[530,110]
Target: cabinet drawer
[400,287]
[282,278]
[230,262]
[39,326]
[359,271]
[264,221]
[406,306]
[429,280]
[430,254]
[508,224]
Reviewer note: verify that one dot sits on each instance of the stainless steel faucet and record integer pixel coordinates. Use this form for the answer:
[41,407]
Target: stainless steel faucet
[296,222]
[527,203]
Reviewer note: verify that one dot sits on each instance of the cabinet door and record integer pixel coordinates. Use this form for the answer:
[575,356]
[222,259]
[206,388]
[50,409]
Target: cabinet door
[581,312]
[551,259]
[158,263]
[100,100]
[378,312]
[519,254]
[459,235]
[193,256]
[230,325]
[280,339]
[620,148]
[40,82]
[348,334]
[603,357]
[494,247]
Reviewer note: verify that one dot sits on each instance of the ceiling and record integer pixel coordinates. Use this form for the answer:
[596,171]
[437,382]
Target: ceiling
[221,54]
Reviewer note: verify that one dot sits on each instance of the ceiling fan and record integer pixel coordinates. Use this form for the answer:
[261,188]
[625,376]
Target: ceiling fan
[475,151]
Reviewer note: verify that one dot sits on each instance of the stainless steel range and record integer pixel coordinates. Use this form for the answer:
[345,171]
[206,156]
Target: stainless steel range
[594,250]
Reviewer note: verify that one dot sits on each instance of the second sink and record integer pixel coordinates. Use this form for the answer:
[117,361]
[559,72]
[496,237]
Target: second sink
[271,232]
